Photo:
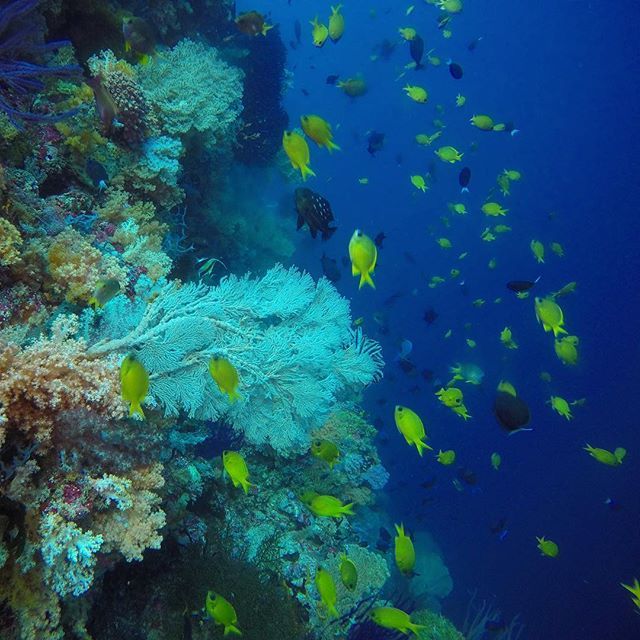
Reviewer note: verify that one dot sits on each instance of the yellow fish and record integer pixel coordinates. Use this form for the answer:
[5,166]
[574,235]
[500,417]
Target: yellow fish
[325,450]
[612,459]
[460,100]
[222,611]
[634,590]
[556,247]
[237,469]
[496,460]
[482,122]
[493,209]
[348,572]
[445,243]
[411,427]
[320,32]
[408,33]
[328,506]
[446,457]
[560,406]
[566,349]
[416,93]
[297,150]
[134,383]
[319,130]
[405,554]
[507,339]
[449,154]
[396,619]
[225,376]
[363,255]
[327,589]
[419,183]
[547,547]
[549,315]
[568,288]
[336,23]
[105,290]
[537,248]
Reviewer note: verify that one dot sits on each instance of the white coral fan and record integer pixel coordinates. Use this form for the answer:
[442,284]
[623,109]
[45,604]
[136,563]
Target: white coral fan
[192,88]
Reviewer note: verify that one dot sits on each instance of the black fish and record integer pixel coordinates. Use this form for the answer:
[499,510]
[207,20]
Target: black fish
[332,79]
[375,142]
[512,413]
[416,49]
[97,173]
[455,70]
[430,316]
[406,365]
[464,177]
[384,49]
[427,374]
[330,268]
[467,476]
[521,285]
[499,526]
[304,92]
[384,540]
[316,211]
[429,483]
[474,43]
[394,297]
[379,239]
[409,257]
[495,626]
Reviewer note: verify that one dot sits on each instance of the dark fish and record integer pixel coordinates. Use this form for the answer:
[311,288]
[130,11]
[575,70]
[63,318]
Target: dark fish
[375,142]
[474,43]
[378,423]
[384,49]
[332,79]
[297,29]
[398,159]
[455,70]
[105,290]
[406,365]
[467,476]
[495,626]
[315,211]
[512,413]
[97,173]
[464,177]
[429,483]
[105,105]
[394,297]
[500,528]
[252,23]
[444,21]
[521,285]
[430,316]
[138,36]
[304,92]
[346,262]
[427,374]
[330,268]
[416,49]
[613,504]
[384,540]
[379,239]
[409,257]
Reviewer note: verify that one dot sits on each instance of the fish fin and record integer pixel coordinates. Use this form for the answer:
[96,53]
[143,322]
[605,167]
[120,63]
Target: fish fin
[127,46]
[328,233]
[135,407]
[464,190]
[347,509]
[332,145]
[558,330]
[365,278]
[232,629]
[93,302]
[306,171]
[314,232]
[266,27]
[144,59]
[245,485]
[300,223]
[420,446]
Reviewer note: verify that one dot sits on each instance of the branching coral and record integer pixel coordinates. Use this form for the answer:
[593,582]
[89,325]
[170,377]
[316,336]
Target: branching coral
[288,337]
[10,242]
[52,375]
[192,89]
[20,77]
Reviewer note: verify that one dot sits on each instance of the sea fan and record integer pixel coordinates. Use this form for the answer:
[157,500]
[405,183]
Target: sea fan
[20,77]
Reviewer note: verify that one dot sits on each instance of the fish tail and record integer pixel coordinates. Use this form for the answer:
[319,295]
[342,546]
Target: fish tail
[366,278]
[233,396]
[331,608]
[266,28]
[135,407]
[127,46]
[464,190]
[335,9]
[245,485]
[93,302]
[347,510]
[328,233]
[332,145]
[558,330]
[421,446]
[306,171]
[229,628]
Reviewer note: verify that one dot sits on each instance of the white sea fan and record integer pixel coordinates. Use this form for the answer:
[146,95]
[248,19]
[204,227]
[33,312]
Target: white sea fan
[289,338]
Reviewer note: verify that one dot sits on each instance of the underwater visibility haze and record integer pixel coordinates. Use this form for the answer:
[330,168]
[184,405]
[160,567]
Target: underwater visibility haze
[319,322]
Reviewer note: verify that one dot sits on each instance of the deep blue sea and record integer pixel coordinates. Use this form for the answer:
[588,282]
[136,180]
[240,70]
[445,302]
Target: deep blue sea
[566,74]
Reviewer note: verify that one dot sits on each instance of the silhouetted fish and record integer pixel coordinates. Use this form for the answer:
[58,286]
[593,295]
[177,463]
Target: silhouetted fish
[330,268]
[315,211]
[379,239]
[512,413]
[455,70]
[416,49]
[332,79]
[97,173]
[430,316]
[521,285]
[464,177]
[375,142]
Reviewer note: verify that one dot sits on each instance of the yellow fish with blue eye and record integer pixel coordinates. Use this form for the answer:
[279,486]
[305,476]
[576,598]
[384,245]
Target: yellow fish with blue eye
[134,383]
[404,552]
[222,611]
[297,150]
[325,450]
[225,376]
[235,465]
[411,427]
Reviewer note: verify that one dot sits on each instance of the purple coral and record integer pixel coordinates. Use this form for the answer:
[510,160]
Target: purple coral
[20,78]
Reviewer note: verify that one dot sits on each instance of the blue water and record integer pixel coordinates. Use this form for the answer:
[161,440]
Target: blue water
[566,74]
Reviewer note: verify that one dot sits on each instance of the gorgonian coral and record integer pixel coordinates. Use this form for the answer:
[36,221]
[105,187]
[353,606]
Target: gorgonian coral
[21,76]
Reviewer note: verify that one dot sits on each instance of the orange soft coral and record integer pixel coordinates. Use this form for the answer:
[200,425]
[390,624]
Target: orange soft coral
[54,374]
